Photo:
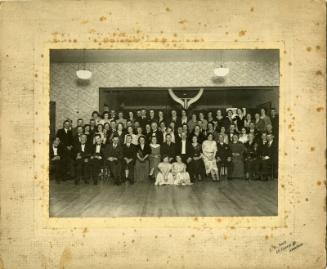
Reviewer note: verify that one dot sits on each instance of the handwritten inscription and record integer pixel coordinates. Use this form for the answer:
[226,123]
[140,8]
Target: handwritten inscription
[285,247]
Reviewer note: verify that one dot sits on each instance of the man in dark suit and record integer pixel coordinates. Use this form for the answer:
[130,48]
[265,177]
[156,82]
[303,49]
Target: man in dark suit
[56,159]
[113,156]
[266,161]
[156,132]
[143,119]
[97,158]
[80,123]
[224,157]
[66,138]
[183,148]
[168,148]
[77,136]
[129,156]
[82,160]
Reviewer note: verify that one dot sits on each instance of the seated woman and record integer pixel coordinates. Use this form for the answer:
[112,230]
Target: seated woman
[209,149]
[164,176]
[181,177]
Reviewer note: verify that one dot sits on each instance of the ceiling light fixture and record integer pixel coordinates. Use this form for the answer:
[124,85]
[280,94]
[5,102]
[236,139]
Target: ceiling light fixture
[84,74]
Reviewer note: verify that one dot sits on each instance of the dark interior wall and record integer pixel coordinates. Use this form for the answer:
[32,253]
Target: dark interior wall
[157,98]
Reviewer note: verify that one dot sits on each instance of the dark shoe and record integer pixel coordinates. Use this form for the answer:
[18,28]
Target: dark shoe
[95,182]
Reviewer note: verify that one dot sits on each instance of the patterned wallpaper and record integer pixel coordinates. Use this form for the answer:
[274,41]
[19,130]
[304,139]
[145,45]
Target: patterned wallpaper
[74,100]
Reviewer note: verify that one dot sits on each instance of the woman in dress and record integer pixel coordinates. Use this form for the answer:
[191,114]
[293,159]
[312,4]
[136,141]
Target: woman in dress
[142,160]
[131,117]
[209,149]
[247,121]
[197,132]
[196,165]
[238,150]
[223,133]
[243,138]
[161,117]
[120,133]
[154,157]
[181,177]
[139,132]
[219,119]
[239,119]
[134,137]
[99,131]
[203,120]
[164,176]
[105,118]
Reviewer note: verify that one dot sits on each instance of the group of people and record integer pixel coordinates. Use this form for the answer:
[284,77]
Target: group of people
[179,149]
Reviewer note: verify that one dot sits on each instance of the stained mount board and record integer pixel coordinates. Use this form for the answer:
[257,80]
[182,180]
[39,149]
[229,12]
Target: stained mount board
[293,239]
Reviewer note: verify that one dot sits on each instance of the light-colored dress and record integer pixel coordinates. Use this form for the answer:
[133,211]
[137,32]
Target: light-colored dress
[164,176]
[181,177]
[244,138]
[209,150]
[154,158]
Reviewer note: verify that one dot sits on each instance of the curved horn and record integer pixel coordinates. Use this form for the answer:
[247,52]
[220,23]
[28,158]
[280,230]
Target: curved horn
[176,98]
[194,99]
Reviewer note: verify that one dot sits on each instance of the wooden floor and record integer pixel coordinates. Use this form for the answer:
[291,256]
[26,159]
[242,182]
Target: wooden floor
[206,198]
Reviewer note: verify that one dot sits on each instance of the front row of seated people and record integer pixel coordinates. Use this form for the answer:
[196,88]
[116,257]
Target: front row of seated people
[166,163]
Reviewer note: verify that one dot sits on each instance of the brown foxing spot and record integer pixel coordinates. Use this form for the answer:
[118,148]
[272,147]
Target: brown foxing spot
[84,21]
[226,33]
[242,33]
[312,149]
[252,9]
[225,237]
[283,186]
[75,40]
[318,182]
[175,35]
[168,9]
[155,236]
[289,63]
[284,51]
[42,55]
[91,31]
[319,109]
[289,126]
[193,235]
[317,47]
[133,241]
[308,49]
[102,18]
[319,73]
[306,199]
[266,237]
[195,219]
[182,21]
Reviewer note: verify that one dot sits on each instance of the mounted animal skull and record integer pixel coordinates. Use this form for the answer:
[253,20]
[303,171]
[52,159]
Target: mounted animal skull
[185,102]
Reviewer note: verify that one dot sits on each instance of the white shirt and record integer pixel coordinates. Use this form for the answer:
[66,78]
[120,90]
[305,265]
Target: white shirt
[55,151]
[97,148]
[183,146]
[83,147]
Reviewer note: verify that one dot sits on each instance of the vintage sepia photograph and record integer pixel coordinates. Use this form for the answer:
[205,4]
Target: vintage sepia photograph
[163,133]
